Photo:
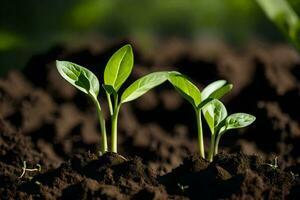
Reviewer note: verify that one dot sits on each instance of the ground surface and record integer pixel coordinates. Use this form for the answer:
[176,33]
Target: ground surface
[45,121]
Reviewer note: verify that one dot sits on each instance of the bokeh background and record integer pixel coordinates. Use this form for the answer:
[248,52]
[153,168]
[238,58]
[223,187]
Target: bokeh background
[30,27]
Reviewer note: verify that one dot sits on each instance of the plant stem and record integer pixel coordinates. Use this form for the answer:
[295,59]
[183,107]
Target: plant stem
[200,133]
[217,144]
[211,147]
[114,129]
[109,104]
[102,126]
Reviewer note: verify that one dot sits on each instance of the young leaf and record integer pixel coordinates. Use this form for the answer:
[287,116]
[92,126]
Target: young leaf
[143,85]
[185,87]
[216,89]
[80,77]
[214,113]
[218,94]
[239,120]
[209,89]
[119,67]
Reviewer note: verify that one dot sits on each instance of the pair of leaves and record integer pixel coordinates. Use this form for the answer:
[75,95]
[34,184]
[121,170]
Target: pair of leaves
[116,72]
[191,93]
[215,114]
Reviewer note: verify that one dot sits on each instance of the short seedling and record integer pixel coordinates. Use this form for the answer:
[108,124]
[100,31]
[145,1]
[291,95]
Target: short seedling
[183,188]
[192,94]
[25,169]
[275,164]
[116,72]
[294,175]
[219,123]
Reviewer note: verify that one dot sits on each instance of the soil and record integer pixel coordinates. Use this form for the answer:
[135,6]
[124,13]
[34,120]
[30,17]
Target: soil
[45,121]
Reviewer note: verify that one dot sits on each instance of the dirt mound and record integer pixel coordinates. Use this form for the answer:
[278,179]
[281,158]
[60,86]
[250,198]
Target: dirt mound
[231,176]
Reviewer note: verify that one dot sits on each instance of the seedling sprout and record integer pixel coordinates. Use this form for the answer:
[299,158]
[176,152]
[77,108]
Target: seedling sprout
[38,168]
[192,94]
[274,165]
[219,123]
[116,72]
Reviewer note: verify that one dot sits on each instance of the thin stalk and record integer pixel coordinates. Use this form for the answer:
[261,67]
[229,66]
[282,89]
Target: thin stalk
[211,147]
[102,126]
[114,126]
[200,133]
[109,104]
[114,129]
[217,144]
[218,141]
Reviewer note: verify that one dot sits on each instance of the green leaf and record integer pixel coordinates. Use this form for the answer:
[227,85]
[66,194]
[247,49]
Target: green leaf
[209,89]
[239,120]
[216,89]
[218,94]
[214,113]
[143,85]
[119,67]
[80,77]
[185,87]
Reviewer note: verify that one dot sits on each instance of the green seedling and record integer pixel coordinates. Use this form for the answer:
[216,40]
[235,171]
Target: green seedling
[116,72]
[193,95]
[274,165]
[85,81]
[219,123]
[38,168]
[183,188]
[295,176]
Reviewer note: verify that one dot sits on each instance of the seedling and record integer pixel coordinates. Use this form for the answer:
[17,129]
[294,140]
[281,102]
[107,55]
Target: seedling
[116,72]
[294,175]
[183,188]
[192,94]
[85,81]
[219,123]
[274,165]
[38,168]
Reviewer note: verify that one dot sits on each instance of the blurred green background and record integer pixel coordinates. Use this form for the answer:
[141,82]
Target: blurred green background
[30,27]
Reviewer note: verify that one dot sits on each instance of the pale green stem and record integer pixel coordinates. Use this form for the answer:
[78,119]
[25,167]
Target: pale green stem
[217,144]
[109,104]
[211,147]
[200,133]
[102,125]
[114,129]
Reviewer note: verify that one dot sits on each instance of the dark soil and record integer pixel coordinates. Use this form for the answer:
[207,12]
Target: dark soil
[45,121]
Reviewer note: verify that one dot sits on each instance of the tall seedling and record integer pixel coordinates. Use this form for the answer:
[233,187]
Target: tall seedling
[116,72]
